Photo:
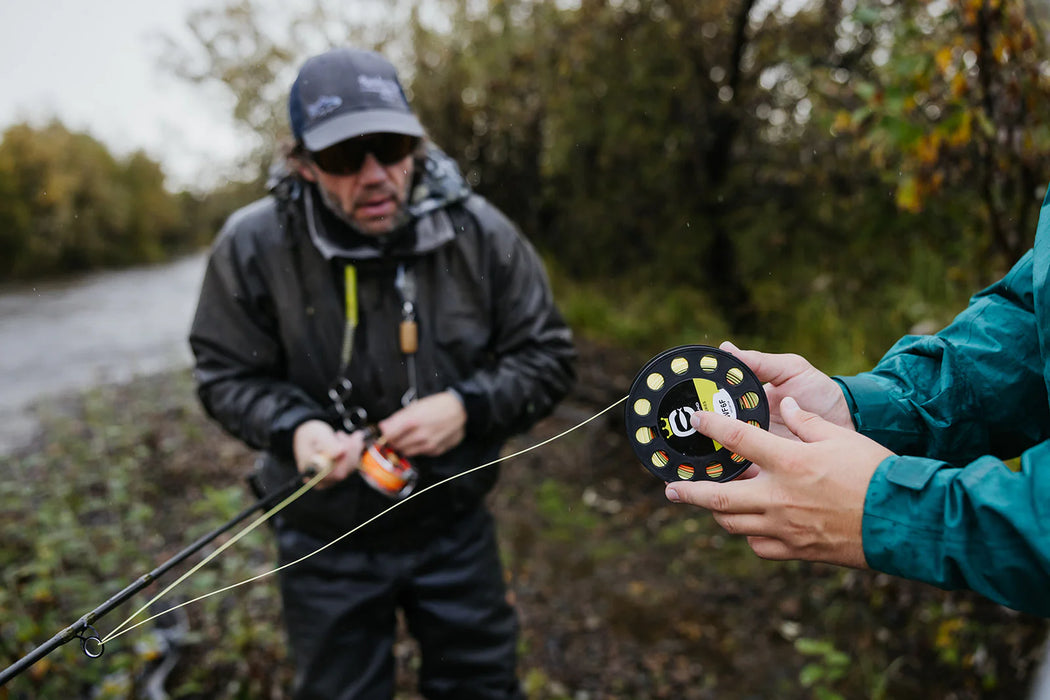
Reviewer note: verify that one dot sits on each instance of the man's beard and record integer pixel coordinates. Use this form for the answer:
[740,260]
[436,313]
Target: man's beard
[397,220]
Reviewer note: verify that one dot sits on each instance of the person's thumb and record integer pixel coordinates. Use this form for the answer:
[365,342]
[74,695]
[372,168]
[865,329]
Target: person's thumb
[809,427]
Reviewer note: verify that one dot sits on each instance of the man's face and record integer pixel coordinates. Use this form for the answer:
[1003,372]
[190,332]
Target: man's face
[371,192]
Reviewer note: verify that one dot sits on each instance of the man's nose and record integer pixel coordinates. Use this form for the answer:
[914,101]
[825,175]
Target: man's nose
[372,169]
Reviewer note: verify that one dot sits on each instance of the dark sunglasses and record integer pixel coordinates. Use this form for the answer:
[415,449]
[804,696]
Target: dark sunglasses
[347,157]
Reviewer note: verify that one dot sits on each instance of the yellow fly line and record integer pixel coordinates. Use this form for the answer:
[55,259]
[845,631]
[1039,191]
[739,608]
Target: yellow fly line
[326,466]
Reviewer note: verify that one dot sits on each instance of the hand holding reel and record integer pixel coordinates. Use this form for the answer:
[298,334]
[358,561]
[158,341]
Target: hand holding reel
[384,469]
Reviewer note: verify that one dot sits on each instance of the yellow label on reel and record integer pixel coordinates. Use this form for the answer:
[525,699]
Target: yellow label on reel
[714,400]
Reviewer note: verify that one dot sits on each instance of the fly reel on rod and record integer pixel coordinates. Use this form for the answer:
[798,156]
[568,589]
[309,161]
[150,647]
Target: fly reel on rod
[673,386]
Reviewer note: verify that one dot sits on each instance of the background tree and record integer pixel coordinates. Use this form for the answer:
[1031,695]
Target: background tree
[821,175]
[953,96]
[67,205]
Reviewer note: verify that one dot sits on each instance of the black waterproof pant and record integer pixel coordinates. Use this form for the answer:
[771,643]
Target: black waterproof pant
[340,612]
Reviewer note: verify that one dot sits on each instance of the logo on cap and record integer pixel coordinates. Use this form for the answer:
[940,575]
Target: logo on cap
[325,104]
[385,88]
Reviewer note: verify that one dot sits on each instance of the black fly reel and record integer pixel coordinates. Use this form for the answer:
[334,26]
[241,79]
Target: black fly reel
[669,389]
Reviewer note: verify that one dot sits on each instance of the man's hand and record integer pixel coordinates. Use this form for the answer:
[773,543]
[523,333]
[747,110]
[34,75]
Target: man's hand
[792,375]
[806,500]
[430,426]
[315,439]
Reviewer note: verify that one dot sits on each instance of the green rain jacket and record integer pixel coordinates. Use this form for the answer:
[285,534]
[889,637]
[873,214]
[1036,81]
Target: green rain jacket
[948,511]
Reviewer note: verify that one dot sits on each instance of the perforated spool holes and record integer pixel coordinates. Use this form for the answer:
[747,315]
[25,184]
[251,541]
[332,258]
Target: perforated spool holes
[708,363]
[676,384]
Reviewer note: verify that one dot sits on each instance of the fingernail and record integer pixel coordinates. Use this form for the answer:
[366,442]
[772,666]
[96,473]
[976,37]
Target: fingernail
[671,494]
[788,403]
[728,345]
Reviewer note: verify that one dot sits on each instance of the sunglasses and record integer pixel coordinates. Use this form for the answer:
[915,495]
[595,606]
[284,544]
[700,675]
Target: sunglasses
[347,157]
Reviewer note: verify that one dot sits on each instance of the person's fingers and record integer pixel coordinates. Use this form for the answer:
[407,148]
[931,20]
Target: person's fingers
[391,427]
[746,440]
[750,473]
[770,368]
[770,548]
[352,444]
[808,426]
[323,460]
[728,497]
[408,443]
[750,524]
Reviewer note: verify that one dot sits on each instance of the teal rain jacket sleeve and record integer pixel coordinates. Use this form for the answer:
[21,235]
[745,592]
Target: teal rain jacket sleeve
[954,515]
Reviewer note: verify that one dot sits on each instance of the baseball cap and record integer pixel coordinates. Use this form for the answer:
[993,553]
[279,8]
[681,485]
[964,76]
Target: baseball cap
[345,93]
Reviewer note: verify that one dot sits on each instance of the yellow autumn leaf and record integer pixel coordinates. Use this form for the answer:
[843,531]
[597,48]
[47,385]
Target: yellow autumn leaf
[38,670]
[964,133]
[943,58]
[842,122]
[936,181]
[928,148]
[946,633]
[1001,51]
[908,195]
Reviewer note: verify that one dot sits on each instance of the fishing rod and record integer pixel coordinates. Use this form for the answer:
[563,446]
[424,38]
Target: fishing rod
[84,630]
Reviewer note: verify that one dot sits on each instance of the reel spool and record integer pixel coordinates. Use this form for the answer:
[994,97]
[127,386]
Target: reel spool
[669,389]
[388,472]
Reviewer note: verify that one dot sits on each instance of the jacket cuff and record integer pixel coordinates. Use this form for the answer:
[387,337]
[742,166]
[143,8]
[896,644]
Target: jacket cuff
[877,414]
[902,529]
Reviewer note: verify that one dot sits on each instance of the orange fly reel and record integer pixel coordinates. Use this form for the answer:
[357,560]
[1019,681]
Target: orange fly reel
[386,471]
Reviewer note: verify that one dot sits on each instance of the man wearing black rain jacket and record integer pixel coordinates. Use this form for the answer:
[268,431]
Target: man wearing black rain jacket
[373,288]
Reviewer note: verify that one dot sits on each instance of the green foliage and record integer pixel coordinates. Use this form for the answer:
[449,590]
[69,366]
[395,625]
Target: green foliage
[67,205]
[80,522]
[647,315]
[949,96]
[71,206]
[565,520]
[829,665]
[681,168]
[819,177]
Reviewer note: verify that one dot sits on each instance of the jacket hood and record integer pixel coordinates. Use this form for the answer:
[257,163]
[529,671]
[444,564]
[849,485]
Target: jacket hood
[437,184]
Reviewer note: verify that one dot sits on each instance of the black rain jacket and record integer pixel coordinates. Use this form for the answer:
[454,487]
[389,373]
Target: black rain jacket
[268,332]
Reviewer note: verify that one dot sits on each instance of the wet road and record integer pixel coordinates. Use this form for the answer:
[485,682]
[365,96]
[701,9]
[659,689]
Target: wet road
[107,327]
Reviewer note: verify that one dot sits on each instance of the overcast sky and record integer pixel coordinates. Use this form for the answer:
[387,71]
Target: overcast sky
[94,66]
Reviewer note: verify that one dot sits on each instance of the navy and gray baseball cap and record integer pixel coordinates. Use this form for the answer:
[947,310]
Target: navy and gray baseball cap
[345,93]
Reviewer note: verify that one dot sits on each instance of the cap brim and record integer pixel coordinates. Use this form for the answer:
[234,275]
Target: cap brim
[347,126]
